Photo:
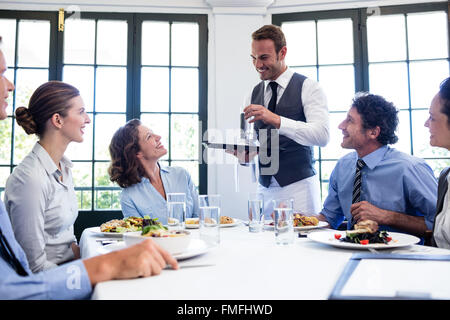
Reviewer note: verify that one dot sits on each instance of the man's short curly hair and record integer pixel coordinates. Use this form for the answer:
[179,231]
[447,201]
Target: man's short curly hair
[376,111]
[125,168]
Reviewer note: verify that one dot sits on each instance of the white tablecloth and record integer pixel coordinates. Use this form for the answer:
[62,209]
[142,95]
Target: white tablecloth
[245,266]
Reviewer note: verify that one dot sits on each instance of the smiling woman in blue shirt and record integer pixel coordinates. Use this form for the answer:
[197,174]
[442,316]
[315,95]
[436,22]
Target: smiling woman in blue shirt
[397,190]
[135,151]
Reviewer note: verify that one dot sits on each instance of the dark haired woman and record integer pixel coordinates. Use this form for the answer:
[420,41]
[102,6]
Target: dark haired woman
[39,194]
[135,151]
[439,125]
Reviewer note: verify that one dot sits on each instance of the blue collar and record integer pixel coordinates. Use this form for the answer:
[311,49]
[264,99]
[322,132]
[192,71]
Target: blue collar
[374,158]
[162,169]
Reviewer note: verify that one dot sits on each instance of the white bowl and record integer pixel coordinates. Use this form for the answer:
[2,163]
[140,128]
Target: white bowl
[173,245]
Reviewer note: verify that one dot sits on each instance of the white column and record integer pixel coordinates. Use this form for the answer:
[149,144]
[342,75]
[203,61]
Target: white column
[231,77]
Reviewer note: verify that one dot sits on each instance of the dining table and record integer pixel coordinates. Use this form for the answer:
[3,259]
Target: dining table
[251,266]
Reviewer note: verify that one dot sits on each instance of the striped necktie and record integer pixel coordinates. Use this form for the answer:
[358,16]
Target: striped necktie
[8,254]
[357,182]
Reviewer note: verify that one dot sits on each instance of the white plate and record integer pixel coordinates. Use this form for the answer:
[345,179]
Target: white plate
[320,225]
[398,240]
[191,226]
[106,234]
[235,223]
[224,225]
[196,247]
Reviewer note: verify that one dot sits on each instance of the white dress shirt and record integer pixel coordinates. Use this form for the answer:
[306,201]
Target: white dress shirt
[314,132]
[442,224]
[42,209]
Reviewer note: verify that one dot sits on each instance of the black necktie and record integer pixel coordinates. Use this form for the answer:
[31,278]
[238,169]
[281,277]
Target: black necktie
[9,256]
[357,182]
[273,100]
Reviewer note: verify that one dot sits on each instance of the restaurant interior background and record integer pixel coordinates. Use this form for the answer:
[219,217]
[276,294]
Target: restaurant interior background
[184,68]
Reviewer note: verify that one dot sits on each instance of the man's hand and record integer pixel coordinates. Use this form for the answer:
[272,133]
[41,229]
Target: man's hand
[144,259]
[366,211]
[243,156]
[76,250]
[259,112]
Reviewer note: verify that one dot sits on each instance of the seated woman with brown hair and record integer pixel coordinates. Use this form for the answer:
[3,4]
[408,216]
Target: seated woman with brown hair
[39,194]
[135,151]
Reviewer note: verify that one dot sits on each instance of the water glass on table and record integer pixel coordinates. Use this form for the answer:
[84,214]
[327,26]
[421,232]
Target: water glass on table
[283,221]
[255,212]
[209,218]
[176,207]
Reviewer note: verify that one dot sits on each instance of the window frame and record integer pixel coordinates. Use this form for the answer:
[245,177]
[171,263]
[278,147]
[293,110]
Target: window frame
[12,64]
[93,216]
[359,17]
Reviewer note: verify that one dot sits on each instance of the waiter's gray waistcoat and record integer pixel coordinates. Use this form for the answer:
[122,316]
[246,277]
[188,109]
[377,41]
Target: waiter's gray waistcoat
[295,160]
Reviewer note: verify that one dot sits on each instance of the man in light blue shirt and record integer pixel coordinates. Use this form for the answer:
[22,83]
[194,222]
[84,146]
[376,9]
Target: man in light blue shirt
[68,281]
[74,280]
[396,190]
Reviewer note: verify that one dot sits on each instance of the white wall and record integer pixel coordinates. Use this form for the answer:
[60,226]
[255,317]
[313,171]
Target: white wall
[234,77]
[230,71]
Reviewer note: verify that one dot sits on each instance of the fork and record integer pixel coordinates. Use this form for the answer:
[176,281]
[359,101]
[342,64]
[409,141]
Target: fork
[190,266]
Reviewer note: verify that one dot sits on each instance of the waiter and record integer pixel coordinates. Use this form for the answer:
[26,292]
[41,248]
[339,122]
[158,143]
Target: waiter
[290,116]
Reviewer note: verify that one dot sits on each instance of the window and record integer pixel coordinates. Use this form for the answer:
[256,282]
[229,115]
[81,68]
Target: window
[147,66]
[27,69]
[401,54]
[409,73]
[95,61]
[170,89]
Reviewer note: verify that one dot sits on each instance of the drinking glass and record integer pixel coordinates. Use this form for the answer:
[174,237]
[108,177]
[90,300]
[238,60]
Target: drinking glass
[255,212]
[176,207]
[248,129]
[209,218]
[283,221]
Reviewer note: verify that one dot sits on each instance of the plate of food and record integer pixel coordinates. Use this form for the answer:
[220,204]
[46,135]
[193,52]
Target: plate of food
[301,223]
[117,227]
[172,241]
[178,243]
[191,223]
[364,236]
[225,221]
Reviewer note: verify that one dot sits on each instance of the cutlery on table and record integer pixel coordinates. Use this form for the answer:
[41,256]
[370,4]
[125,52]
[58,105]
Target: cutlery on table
[185,266]
[108,241]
